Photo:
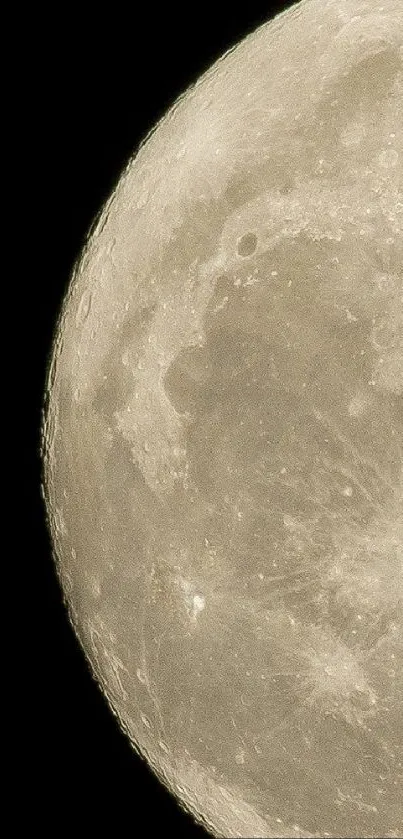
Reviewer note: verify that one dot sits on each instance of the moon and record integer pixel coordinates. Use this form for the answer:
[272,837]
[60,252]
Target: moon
[223,434]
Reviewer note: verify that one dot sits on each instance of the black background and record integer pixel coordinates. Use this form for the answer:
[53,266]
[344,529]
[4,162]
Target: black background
[95,85]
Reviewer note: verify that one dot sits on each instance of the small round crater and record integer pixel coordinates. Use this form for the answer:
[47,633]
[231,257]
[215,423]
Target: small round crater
[247,244]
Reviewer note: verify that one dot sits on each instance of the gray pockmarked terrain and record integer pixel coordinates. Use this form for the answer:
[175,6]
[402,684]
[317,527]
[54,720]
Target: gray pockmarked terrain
[224,431]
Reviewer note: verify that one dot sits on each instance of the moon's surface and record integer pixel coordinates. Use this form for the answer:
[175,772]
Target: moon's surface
[224,432]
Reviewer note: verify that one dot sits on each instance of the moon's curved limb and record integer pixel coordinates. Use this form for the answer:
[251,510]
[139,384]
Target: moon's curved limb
[224,432]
